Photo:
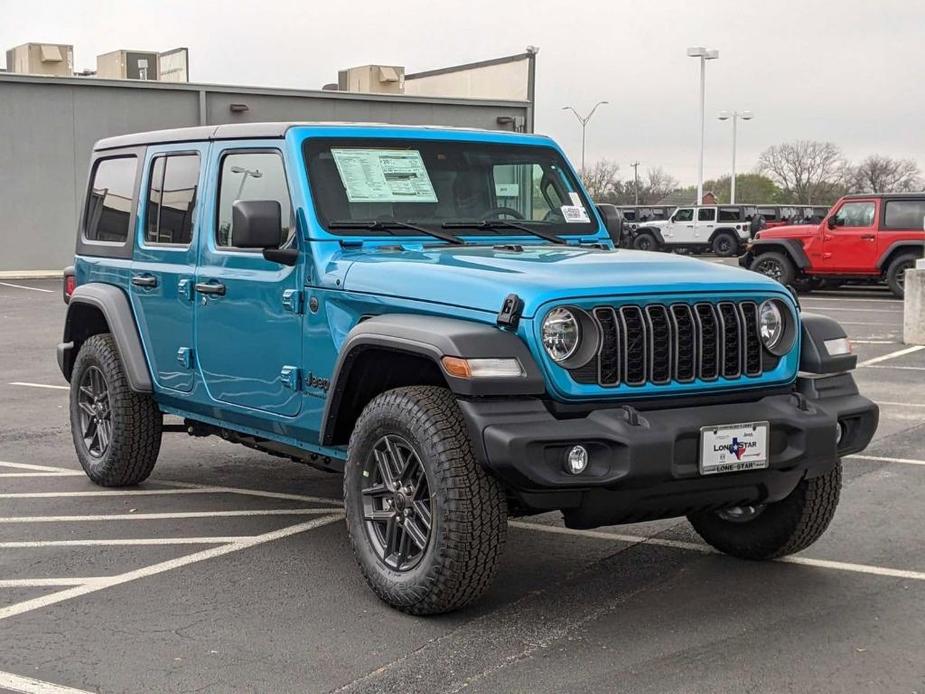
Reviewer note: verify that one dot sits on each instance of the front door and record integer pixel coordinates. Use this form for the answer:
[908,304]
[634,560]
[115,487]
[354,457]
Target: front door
[851,245]
[248,323]
[164,260]
[680,228]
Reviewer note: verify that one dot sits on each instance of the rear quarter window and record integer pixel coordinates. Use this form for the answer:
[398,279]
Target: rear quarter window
[904,214]
[110,200]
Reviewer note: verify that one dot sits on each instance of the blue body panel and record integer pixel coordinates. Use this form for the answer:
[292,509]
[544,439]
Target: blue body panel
[241,342]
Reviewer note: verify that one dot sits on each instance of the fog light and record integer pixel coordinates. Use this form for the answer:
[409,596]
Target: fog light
[839,433]
[577,460]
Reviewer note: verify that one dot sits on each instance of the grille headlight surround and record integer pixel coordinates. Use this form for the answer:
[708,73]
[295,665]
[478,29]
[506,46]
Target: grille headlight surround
[776,327]
[561,334]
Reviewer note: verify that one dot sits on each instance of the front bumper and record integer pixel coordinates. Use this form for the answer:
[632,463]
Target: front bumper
[647,466]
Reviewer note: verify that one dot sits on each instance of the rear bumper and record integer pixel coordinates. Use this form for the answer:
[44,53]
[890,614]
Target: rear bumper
[650,468]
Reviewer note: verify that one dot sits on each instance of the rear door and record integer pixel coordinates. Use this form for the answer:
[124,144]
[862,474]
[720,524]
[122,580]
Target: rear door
[903,219]
[850,247]
[164,260]
[706,222]
[248,321]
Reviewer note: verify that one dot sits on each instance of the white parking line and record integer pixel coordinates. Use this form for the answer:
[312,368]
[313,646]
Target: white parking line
[39,385]
[852,310]
[892,366]
[48,582]
[881,459]
[901,404]
[706,549]
[255,492]
[34,468]
[168,516]
[841,299]
[28,685]
[63,473]
[125,542]
[31,289]
[109,581]
[892,355]
[873,342]
[115,492]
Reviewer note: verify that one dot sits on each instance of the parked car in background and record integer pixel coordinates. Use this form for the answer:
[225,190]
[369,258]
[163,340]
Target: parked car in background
[635,216]
[723,229]
[873,238]
[784,215]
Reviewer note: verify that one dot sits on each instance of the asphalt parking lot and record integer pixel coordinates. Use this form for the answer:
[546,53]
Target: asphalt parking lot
[230,570]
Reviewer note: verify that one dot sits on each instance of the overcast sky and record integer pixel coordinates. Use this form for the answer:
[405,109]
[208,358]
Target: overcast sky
[841,70]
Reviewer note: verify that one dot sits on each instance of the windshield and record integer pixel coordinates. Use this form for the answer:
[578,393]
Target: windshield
[430,184]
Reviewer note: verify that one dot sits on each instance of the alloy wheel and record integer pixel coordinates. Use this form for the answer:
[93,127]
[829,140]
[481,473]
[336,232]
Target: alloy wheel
[95,412]
[397,507]
[741,514]
[770,268]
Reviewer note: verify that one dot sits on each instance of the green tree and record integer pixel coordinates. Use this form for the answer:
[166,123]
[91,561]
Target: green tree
[750,188]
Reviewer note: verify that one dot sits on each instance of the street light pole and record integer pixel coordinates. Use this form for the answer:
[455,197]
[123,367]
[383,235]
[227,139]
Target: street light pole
[635,166]
[704,54]
[725,115]
[584,124]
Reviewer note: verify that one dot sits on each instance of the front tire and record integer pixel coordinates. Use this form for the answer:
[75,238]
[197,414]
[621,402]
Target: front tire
[777,266]
[116,431]
[777,529]
[896,274]
[427,523]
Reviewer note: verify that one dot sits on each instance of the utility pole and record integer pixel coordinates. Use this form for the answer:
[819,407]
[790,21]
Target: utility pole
[704,54]
[584,124]
[635,166]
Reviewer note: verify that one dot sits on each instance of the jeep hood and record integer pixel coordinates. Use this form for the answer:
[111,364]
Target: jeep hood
[797,231]
[480,277]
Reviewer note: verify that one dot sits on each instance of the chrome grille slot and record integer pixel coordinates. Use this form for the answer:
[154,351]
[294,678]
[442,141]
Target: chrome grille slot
[659,344]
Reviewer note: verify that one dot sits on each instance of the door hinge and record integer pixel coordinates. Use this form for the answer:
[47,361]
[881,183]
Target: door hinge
[185,357]
[185,289]
[292,301]
[291,377]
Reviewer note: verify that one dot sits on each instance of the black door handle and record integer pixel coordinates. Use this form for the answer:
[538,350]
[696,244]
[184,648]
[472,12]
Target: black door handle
[144,281]
[211,288]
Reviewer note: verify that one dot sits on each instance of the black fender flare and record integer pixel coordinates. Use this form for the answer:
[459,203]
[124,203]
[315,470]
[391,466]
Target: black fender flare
[725,230]
[655,231]
[900,246]
[433,338]
[814,357]
[792,247]
[112,302]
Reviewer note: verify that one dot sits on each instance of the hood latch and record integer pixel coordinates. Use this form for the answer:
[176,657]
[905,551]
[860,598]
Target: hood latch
[511,310]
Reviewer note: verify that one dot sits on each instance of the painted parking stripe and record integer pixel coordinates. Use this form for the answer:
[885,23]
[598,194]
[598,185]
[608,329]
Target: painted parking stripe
[892,355]
[31,289]
[115,492]
[167,516]
[706,549]
[154,569]
[29,685]
[63,473]
[893,366]
[882,459]
[853,310]
[32,467]
[873,342]
[255,492]
[26,384]
[901,404]
[125,542]
[48,582]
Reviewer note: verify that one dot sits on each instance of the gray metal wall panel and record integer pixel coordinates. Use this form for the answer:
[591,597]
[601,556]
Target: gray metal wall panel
[48,127]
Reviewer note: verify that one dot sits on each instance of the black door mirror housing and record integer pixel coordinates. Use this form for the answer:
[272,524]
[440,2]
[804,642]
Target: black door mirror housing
[613,221]
[256,224]
[831,222]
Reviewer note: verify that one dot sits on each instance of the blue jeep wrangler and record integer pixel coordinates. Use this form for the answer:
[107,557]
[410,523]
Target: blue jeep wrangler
[441,315]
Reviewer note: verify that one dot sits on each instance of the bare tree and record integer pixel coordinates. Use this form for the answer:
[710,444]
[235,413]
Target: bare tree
[880,174]
[806,170]
[658,184]
[602,182]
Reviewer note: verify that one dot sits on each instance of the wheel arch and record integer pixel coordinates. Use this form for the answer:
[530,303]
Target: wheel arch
[898,248]
[654,231]
[99,308]
[792,248]
[724,230]
[414,346]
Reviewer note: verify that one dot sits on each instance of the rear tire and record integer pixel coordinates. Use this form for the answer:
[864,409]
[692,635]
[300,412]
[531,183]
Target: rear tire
[777,266]
[776,529]
[896,274]
[725,245]
[645,241]
[116,431]
[429,540]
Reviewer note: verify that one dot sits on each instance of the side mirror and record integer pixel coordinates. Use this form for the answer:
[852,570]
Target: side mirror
[613,221]
[831,222]
[256,224]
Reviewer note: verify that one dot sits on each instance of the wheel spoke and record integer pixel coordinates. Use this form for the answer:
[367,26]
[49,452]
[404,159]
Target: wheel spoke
[103,429]
[395,462]
[376,490]
[403,546]
[418,536]
[391,538]
[385,471]
[422,511]
[379,515]
[85,407]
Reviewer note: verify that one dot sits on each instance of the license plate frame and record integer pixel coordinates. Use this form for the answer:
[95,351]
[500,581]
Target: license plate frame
[719,444]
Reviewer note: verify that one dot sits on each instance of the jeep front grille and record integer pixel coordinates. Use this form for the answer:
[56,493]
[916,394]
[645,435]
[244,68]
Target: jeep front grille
[660,344]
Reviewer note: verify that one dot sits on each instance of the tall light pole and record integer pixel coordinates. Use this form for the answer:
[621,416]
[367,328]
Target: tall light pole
[584,124]
[735,115]
[704,54]
[635,166]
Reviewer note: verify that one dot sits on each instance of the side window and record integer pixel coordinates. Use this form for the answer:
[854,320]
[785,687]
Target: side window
[684,215]
[904,214]
[728,214]
[855,214]
[529,189]
[706,214]
[251,176]
[172,199]
[769,213]
[109,203]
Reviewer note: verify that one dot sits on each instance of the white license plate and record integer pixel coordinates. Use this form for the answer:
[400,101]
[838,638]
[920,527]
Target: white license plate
[733,447]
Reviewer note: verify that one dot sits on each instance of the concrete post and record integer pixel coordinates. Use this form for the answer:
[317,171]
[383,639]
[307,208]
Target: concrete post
[914,305]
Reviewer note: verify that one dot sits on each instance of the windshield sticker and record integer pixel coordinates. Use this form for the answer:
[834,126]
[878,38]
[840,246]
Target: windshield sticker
[384,175]
[507,190]
[575,214]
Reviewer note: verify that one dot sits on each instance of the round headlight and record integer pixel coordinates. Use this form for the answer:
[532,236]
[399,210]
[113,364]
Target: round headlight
[561,334]
[770,325]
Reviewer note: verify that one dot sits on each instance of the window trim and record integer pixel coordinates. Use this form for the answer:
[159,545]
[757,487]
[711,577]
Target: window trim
[157,245]
[222,155]
[874,224]
[133,212]
[887,227]
[714,210]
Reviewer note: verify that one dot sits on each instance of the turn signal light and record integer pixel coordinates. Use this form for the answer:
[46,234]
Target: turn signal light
[482,368]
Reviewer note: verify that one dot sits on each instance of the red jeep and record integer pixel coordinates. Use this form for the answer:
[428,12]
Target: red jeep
[863,237]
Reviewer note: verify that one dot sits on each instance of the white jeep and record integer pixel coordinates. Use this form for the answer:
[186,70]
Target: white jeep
[724,229]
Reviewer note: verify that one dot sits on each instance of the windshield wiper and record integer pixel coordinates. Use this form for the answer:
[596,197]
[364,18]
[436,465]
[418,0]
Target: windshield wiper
[379,225]
[489,224]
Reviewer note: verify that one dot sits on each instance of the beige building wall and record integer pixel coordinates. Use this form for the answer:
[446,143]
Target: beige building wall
[55,59]
[509,80]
